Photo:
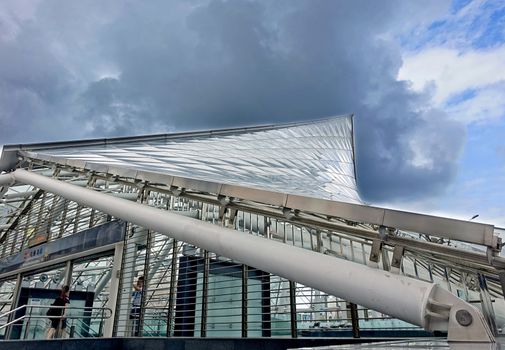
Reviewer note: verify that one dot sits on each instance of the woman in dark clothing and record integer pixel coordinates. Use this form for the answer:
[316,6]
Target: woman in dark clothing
[62,301]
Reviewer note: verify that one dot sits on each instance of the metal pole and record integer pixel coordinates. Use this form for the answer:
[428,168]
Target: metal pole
[501,275]
[27,327]
[15,299]
[292,309]
[205,294]
[140,324]
[122,321]
[487,305]
[100,327]
[67,279]
[114,289]
[354,319]
[244,300]
[171,296]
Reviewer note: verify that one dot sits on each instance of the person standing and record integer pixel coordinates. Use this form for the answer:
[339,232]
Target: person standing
[58,314]
[138,290]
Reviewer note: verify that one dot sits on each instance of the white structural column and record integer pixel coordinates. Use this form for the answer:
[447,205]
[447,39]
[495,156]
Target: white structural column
[114,285]
[414,301]
[7,179]
[129,259]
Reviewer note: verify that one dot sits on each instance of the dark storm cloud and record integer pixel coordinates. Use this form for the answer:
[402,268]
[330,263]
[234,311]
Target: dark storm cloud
[153,66]
[33,86]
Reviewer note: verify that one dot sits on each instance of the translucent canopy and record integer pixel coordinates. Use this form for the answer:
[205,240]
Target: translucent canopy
[313,159]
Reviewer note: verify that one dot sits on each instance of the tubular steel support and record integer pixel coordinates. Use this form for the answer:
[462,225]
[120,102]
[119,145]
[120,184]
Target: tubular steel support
[427,305]
[143,299]
[171,296]
[353,309]
[487,305]
[205,294]
[245,272]
[292,309]
[15,299]
[501,275]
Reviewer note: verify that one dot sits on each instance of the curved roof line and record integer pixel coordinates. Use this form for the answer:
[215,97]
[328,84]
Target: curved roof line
[152,137]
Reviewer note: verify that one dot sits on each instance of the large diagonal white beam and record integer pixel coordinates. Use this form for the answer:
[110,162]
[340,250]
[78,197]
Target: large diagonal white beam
[417,302]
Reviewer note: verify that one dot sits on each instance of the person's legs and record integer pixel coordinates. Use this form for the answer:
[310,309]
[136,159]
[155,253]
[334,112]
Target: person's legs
[61,331]
[51,332]
[135,319]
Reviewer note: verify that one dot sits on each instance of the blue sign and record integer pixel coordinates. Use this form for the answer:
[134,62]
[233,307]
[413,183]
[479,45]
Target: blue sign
[99,236]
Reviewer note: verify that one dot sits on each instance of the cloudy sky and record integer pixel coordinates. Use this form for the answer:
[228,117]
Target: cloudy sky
[425,79]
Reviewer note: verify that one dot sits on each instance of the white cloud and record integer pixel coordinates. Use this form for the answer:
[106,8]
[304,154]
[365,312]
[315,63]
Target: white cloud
[487,104]
[453,72]
[459,59]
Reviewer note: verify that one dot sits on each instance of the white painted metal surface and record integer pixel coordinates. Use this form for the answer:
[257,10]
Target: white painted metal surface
[411,300]
[6,179]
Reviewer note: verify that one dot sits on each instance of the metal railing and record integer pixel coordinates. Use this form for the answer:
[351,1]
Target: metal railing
[77,322]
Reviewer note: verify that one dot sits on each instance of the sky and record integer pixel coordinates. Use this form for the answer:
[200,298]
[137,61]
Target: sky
[425,80]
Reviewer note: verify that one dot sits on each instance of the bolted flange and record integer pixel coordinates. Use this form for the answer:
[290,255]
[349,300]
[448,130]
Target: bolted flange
[464,318]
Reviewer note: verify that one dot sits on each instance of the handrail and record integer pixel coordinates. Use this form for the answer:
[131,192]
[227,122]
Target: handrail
[80,325]
[85,308]
[11,311]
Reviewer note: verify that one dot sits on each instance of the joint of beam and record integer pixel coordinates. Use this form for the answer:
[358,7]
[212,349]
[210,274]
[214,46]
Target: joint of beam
[232,216]
[463,321]
[176,191]
[396,261]
[222,211]
[223,200]
[375,253]
[383,233]
[288,213]
[351,223]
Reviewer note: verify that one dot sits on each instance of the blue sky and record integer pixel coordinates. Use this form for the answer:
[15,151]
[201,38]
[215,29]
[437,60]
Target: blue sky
[460,57]
[425,79]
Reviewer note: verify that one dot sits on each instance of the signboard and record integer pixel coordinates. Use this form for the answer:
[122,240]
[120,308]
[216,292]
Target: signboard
[108,233]
[32,255]
[38,239]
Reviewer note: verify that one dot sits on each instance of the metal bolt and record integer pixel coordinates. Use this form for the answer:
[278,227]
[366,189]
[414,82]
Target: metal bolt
[464,318]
